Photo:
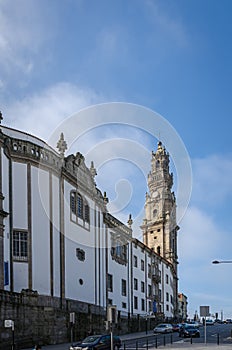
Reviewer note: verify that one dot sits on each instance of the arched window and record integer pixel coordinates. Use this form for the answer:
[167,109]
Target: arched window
[154,213]
[73,202]
[79,209]
[79,206]
[158,250]
[86,212]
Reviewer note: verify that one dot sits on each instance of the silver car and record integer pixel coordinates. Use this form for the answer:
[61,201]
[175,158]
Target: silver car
[163,328]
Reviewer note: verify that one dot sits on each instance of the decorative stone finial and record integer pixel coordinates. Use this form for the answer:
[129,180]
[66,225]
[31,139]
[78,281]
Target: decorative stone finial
[62,145]
[105,198]
[130,221]
[92,169]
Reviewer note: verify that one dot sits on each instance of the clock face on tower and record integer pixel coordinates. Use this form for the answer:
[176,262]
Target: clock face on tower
[155,194]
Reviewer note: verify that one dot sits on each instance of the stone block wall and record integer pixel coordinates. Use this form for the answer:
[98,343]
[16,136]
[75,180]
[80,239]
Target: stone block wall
[46,320]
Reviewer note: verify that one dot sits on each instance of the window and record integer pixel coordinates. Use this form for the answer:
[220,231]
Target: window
[166,278]
[135,284]
[160,295]
[79,206]
[135,302]
[167,297]
[124,287]
[118,250]
[142,264]
[149,290]
[110,302]
[110,283]
[142,304]
[135,261]
[80,253]
[142,287]
[124,305]
[20,245]
[86,213]
[73,202]
[167,307]
[158,250]
[149,270]
[80,212]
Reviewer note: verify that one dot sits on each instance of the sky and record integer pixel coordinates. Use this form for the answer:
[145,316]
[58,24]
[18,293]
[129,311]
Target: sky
[173,57]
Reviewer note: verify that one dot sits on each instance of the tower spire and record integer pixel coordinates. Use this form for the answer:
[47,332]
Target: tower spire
[159,225]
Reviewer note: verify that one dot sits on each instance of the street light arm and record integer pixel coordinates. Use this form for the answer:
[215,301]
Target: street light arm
[222,262]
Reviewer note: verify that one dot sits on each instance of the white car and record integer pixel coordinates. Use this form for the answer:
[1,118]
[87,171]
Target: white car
[163,328]
[209,322]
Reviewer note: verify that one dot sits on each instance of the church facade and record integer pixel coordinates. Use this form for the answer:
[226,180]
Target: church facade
[58,239]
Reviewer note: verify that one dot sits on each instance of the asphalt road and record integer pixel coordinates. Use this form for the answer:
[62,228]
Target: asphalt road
[216,334]
[134,341]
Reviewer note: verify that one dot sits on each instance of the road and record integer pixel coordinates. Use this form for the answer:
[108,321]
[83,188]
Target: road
[216,334]
[143,341]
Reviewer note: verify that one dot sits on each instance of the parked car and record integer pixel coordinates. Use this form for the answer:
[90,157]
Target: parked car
[228,320]
[97,342]
[217,320]
[209,322]
[189,331]
[194,324]
[176,327]
[163,328]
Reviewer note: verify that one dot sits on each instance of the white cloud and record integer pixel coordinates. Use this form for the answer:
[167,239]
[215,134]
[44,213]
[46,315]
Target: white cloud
[25,28]
[202,240]
[212,180]
[41,113]
[198,236]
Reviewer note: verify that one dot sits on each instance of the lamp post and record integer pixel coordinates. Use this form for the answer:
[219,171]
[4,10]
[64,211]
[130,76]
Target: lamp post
[222,262]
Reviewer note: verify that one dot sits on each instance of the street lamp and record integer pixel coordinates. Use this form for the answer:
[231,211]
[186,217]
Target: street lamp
[222,262]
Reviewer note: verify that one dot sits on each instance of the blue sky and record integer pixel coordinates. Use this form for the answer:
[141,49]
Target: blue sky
[173,57]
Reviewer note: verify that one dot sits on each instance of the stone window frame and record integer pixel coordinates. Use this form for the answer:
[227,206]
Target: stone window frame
[135,283]
[135,302]
[124,289]
[142,304]
[79,209]
[142,287]
[110,282]
[119,248]
[124,306]
[142,265]
[20,245]
[80,254]
[135,258]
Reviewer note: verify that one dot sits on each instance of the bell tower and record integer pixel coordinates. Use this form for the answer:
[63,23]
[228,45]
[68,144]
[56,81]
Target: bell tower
[159,225]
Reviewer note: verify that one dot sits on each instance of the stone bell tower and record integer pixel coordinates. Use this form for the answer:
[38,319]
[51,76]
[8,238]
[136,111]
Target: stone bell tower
[159,225]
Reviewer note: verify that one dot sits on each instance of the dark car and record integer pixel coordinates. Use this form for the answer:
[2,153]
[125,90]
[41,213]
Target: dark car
[176,327]
[95,342]
[189,331]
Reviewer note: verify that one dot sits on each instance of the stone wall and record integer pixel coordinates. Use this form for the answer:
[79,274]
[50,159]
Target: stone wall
[46,320]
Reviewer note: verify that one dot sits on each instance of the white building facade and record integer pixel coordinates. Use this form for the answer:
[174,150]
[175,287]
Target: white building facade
[58,239]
